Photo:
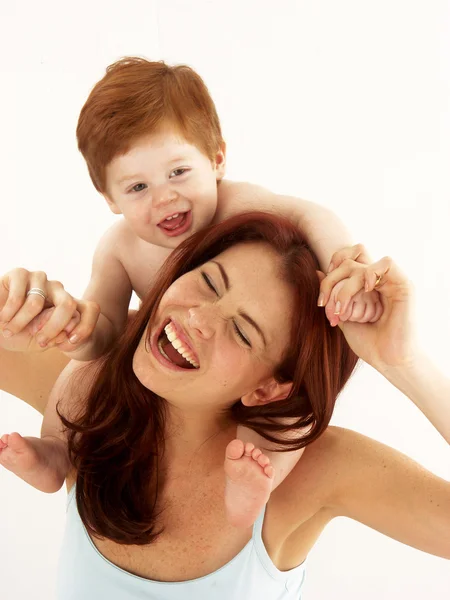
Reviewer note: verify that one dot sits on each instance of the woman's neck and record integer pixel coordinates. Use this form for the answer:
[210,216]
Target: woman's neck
[196,437]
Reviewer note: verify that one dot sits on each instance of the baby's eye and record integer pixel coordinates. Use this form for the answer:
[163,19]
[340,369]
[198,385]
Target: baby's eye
[178,172]
[139,187]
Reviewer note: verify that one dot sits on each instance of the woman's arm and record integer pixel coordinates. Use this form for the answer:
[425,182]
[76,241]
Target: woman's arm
[429,389]
[31,376]
[376,485]
[388,491]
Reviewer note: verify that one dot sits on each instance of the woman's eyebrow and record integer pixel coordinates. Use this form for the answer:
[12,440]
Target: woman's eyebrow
[244,315]
[223,273]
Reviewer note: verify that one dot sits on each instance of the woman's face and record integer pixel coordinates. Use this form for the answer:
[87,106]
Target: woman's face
[220,331]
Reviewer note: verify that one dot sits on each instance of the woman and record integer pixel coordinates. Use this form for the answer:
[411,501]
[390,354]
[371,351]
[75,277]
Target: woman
[149,471]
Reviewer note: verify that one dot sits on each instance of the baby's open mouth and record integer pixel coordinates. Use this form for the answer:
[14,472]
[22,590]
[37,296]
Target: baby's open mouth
[173,222]
[174,350]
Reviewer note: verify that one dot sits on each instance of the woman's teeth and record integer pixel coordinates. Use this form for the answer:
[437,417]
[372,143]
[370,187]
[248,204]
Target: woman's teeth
[179,346]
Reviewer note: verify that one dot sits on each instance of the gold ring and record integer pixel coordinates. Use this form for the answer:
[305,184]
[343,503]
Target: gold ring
[377,282]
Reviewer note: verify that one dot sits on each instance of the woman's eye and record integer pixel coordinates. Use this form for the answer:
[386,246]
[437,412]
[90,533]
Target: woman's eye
[178,172]
[241,335]
[139,187]
[209,283]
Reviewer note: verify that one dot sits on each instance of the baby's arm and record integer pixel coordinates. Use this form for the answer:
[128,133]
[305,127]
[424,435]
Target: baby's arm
[324,232]
[110,288]
[282,462]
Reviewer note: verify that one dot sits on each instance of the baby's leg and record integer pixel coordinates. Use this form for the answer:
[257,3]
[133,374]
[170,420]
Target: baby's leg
[43,463]
[251,475]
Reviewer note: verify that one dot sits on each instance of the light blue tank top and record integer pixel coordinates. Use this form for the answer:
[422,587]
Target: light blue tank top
[85,574]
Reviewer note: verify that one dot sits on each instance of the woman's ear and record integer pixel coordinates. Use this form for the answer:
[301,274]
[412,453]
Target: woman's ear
[272,391]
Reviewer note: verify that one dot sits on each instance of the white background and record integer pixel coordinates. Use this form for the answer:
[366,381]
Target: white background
[344,103]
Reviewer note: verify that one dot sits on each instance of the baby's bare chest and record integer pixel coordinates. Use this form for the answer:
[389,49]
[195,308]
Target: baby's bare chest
[142,262]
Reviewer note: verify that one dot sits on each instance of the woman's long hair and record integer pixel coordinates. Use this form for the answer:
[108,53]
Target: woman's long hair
[117,440]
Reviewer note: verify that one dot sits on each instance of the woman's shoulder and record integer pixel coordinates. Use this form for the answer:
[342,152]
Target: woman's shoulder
[329,469]
[346,473]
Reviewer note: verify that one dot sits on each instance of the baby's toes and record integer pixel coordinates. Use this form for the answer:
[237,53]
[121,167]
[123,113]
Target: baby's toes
[269,471]
[249,447]
[256,453]
[16,442]
[235,449]
[263,460]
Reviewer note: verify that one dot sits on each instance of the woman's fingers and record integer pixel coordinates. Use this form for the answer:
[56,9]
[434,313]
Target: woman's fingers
[65,307]
[20,309]
[358,253]
[52,314]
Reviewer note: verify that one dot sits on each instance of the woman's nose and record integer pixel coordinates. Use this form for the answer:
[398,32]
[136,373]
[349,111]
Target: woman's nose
[201,321]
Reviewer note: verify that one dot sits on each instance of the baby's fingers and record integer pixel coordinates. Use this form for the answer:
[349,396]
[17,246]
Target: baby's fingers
[64,335]
[90,312]
[346,294]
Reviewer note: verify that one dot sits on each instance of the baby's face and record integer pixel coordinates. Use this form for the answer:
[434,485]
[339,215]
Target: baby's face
[165,188]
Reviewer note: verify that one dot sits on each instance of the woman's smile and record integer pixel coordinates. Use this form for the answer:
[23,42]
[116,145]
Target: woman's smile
[173,348]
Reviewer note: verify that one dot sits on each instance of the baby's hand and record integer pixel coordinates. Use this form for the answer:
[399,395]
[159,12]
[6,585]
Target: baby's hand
[24,299]
[362,307]
[347,303]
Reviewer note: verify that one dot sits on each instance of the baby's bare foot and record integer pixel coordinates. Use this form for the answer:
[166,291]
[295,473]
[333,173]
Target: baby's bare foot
[28,458]
[17,454]
[249,479]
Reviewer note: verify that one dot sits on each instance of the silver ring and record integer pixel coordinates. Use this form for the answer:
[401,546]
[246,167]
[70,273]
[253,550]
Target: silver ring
[37,292]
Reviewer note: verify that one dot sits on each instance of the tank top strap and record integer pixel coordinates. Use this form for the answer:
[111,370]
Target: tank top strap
[290,577]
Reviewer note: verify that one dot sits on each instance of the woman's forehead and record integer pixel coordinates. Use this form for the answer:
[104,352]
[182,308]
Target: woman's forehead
[254,273]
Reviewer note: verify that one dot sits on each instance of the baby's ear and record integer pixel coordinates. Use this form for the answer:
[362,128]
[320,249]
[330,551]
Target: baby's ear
[220,161]
[112,205]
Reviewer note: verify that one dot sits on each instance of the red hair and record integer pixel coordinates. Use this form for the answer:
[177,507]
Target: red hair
[137,97]
[117,442]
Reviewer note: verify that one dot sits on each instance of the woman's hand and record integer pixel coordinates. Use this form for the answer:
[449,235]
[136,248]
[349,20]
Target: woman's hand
[389,341]
[365,307]
[37,313]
